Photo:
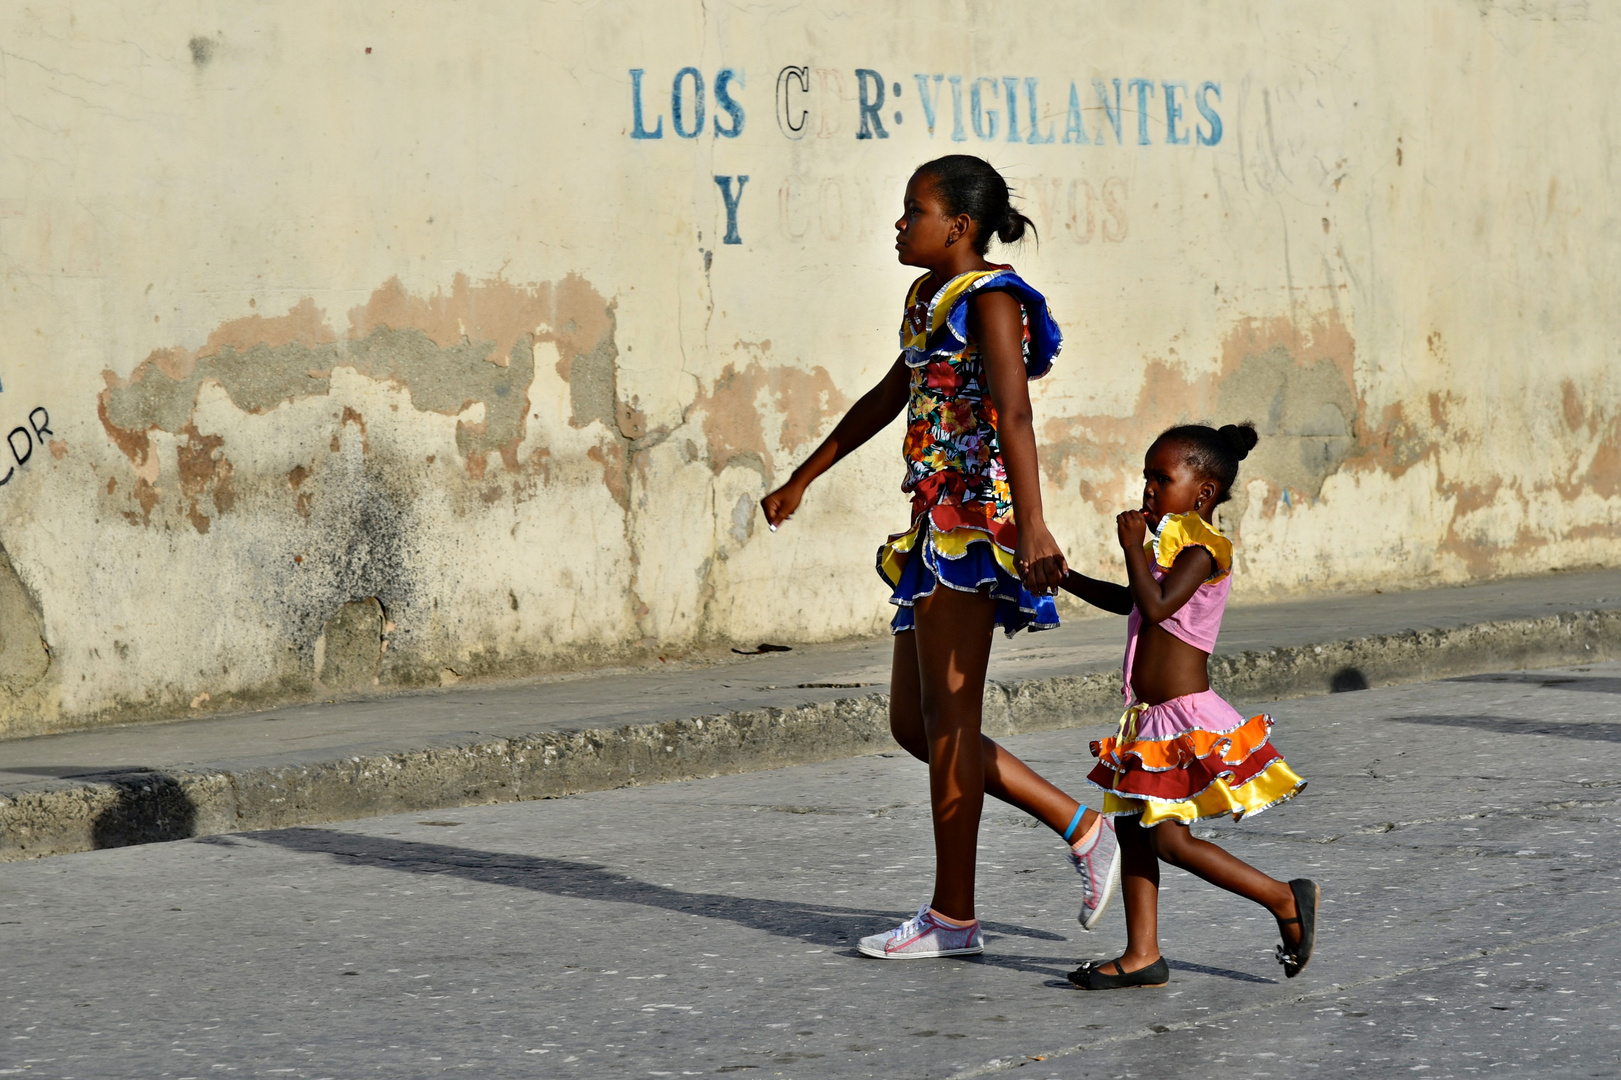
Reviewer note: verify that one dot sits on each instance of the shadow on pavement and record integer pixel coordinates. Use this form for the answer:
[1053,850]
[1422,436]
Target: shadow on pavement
[823,924]
[1224,973]
[150,808]
[1593,732]
[1597,684]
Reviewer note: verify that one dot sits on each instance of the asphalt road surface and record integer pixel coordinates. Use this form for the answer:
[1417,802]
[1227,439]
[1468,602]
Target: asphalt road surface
[1465,834]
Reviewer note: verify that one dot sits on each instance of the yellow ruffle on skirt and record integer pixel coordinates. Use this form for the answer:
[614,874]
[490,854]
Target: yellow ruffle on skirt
[1273,785]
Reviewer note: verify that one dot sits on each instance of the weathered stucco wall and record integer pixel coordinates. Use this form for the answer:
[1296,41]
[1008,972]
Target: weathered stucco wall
[350,348]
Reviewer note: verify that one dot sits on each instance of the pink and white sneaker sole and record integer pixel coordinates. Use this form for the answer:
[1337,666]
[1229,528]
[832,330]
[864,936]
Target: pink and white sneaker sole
[924,937]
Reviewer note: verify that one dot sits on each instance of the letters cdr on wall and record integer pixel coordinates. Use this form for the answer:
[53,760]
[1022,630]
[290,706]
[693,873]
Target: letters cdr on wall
[349,350]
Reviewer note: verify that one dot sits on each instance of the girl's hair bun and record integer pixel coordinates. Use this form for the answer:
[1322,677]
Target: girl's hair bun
[1213,453]
[1241,437]
[1013,229]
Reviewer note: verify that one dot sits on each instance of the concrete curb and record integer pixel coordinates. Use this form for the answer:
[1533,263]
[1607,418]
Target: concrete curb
[113,810]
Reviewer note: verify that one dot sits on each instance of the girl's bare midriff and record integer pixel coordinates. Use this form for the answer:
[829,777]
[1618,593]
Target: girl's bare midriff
[1165,667]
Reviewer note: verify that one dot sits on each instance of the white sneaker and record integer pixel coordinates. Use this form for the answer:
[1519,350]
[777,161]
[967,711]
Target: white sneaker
[1099,866]
[924,936]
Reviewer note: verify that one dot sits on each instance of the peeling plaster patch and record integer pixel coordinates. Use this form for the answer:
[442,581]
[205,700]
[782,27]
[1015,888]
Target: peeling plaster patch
[1468,500]
[1297,387]
[352,416]
[1604,471]
[611,456]
[468,349]
[1602,474]
[357,544]
[511,319]
[204,468]
[303,324]
[493,312]
[731,411]
[1303,407]
[295,480]
[1294,383]
[1393,445]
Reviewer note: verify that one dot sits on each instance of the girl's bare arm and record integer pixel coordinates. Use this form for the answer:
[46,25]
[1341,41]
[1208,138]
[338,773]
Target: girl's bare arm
[995,321]
[1100,594]
[865,419]
[1159,600]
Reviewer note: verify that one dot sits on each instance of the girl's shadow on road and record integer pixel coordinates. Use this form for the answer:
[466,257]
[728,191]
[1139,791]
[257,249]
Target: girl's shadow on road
[801,920]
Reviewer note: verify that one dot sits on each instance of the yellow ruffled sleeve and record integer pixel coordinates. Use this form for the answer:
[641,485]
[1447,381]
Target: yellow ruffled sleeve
[1182,530]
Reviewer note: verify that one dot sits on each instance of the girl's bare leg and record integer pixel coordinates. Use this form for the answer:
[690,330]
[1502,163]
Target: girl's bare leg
[1139,883]
[1177,845]
[1006,777]
[953,642]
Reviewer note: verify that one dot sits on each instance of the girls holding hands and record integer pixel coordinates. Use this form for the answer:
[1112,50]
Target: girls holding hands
[1183,754]
[978,553]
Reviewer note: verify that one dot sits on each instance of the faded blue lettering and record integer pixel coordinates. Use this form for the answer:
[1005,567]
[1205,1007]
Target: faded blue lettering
[638,130]
[726,103]
[1035,115]
[678,102]
[985,122]
[1075,125]
[871,123]
[1012,86]
[1111,113]
[1144,87]
[930,101]
[1209,114]
[957,132]
[731,199]
[1173,113]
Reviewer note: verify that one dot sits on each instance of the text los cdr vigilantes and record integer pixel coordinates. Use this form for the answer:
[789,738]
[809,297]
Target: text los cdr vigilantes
[814,103]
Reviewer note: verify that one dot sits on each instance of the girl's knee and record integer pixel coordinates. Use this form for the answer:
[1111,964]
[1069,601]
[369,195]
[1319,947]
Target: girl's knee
[1170,840]
[908,734]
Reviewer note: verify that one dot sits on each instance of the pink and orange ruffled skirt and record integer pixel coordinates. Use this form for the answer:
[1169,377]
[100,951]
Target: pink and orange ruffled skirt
[1191,758]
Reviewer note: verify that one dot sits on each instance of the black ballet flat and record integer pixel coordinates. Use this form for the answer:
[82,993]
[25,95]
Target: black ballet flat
[1308,894]
[1091,976]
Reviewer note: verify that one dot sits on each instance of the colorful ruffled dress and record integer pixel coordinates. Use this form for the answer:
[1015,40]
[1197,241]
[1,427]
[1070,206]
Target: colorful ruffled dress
[962,532]
[1194,756]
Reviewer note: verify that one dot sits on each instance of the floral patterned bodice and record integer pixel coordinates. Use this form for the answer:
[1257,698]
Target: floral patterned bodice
[952,449]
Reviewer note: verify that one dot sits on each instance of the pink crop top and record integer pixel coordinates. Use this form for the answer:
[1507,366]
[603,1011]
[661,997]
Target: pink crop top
[1199,620]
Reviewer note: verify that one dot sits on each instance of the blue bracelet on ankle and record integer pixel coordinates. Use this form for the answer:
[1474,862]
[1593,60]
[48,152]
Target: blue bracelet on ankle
[1069,833]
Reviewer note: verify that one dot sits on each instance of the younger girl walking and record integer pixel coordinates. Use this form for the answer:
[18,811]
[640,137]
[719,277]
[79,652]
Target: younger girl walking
[973,332]
[1182,753]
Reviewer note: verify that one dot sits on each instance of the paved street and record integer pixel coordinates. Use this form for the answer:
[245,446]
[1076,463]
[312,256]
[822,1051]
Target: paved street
[1465,834]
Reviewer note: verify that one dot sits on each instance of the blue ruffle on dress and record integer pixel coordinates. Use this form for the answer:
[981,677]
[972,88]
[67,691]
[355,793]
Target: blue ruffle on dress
[976,568]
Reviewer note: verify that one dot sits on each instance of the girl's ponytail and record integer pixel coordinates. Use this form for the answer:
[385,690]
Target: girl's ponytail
[1014,227]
